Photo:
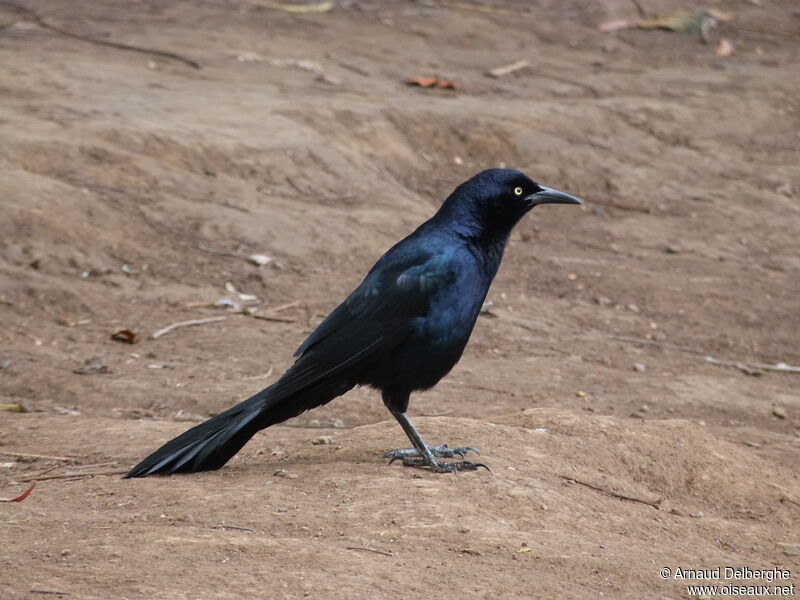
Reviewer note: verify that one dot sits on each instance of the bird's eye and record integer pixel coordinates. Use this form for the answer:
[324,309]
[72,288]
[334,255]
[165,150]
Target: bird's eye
[518,191]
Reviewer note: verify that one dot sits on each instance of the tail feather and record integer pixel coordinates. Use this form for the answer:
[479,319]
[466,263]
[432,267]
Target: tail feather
[204,447]
[211,444]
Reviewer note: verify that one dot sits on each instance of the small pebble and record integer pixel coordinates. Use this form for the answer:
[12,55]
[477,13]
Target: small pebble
[779,412]
[322,440]
[259,260]
[639,367]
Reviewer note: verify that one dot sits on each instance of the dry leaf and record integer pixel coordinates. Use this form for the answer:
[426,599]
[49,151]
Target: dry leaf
[682,22]
[433,82]
[124,335]
[22,496]
[421,81]
[725,48]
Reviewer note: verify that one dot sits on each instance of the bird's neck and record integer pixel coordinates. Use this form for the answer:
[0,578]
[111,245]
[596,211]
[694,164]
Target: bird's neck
[486,243]
[469,224]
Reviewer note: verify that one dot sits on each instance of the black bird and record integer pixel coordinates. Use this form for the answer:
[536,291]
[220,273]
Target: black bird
[401,330]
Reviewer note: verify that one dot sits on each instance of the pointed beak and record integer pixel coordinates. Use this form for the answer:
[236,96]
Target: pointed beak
[550,196]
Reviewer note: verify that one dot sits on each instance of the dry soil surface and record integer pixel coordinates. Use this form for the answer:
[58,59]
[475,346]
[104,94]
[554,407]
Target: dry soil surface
[133,186]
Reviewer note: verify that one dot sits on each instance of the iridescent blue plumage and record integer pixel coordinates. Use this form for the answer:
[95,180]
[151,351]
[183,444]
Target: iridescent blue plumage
[401,330]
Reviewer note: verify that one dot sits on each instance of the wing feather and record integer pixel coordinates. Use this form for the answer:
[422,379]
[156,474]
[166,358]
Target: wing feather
[376,317]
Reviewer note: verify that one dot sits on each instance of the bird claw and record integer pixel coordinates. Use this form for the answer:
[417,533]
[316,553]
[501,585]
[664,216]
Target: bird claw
[440,451]
[410,457]
[440,467]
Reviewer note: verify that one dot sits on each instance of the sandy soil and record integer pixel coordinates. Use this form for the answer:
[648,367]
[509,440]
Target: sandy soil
[134,186]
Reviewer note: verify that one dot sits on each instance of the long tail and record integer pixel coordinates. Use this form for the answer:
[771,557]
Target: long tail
[211,444]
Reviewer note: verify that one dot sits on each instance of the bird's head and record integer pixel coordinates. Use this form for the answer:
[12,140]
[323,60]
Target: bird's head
[493,201]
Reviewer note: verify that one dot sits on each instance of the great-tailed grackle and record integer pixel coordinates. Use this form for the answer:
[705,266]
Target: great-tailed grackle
[401,330]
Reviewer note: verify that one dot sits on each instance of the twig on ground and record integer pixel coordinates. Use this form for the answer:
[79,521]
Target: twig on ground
[366,549]
[782,34]
[96,465]
[622,338]
[778,367]
[274,318]
[655,504]
[271,313]
[53,468]
[73,475]
[282,307]
[785,494]
[236,527]
[748,368]
[191,323]
[354,68]
[436,413]
[508,69]
[42,456]
[753,369]
[135,411]
[39,20]
[483,8]
[208,250]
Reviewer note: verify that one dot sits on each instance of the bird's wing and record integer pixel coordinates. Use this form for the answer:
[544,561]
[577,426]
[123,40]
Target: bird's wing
[377,316]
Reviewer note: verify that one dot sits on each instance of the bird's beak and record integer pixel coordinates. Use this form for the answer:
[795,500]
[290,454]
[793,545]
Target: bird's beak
[550,196]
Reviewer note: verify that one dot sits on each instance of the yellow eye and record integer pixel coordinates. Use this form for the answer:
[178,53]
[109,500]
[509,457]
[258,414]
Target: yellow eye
[518,191]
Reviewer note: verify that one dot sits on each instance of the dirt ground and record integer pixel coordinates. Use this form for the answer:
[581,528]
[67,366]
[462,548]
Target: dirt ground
[133,186]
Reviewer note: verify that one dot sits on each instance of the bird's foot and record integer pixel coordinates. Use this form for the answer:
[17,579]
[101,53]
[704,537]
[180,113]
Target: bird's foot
[411,457]
[440,451]
[440,466]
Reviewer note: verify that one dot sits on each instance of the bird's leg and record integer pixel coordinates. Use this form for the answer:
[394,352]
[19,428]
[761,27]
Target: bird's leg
[423,455]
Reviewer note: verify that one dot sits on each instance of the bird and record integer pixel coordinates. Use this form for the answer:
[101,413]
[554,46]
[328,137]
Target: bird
[400,331]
